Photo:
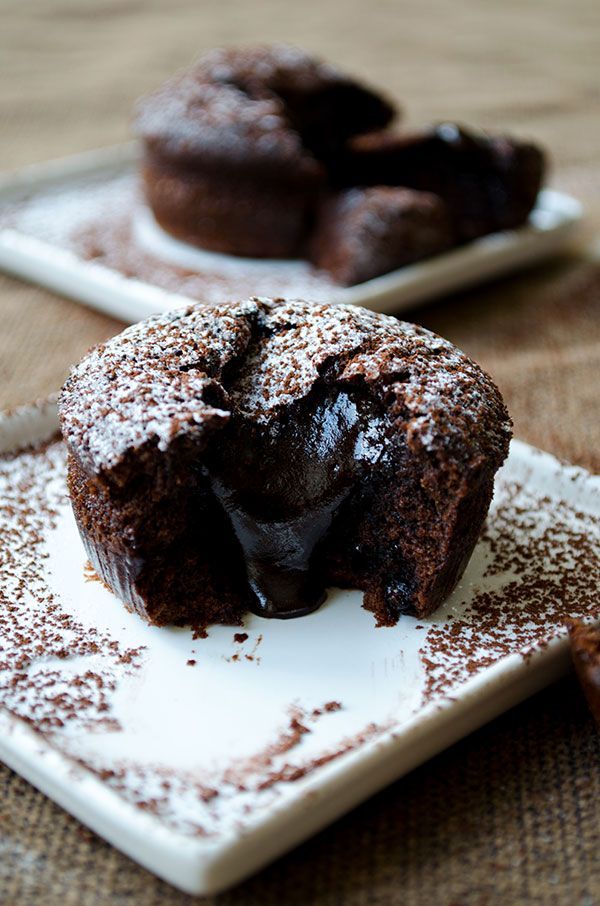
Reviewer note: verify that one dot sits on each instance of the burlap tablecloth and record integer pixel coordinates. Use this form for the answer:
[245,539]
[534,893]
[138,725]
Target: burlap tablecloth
[511,814]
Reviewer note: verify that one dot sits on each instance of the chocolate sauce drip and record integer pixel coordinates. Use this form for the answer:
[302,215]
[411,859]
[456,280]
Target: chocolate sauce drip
[282,483]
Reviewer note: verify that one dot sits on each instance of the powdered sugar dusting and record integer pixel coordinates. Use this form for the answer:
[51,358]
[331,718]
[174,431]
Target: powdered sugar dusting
[190,117]
[246,107]
[150,383]
[53,670]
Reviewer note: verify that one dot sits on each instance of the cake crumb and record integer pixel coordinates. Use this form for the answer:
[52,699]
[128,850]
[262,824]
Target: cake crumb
[199,632]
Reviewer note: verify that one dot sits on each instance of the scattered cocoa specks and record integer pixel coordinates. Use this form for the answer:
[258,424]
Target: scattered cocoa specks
[257,773]
[543,557]
[327,707]
[241,773]
[253,656]
[90,575]
[240,638]
[290,773]
[37,637]
[35,633]
[157,789]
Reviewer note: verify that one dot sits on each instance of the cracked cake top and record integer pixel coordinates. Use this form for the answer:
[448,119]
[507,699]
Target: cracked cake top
[185,372]
[264,107]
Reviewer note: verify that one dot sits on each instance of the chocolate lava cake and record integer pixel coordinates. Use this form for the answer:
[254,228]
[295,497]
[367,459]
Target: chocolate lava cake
[488,182]
[363,233]
[234,146]
[585,649]
[248,456]
[252,152]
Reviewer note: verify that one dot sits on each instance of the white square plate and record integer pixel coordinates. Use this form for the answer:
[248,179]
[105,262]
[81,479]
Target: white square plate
[205,758]
[79,227]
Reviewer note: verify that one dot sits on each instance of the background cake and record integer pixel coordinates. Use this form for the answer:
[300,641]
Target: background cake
[234,146]
[252,151]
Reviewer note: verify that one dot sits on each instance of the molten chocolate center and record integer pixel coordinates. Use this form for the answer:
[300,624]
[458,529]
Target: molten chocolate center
[282,483]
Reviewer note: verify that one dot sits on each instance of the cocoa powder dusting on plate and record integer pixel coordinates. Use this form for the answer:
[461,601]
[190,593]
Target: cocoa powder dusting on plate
[53,670]
[543,569]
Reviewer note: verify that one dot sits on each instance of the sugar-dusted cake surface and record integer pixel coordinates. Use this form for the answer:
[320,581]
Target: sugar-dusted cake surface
[247,456]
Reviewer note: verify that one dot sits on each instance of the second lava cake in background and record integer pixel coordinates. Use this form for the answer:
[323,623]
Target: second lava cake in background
[261,151]
[235,146]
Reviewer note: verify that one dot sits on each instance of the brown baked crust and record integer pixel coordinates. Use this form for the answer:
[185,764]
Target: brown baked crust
[322,104]
[250,150]
[488,182]
[364,233]
[159,419]
[585,651]
[245,130]
[228,212]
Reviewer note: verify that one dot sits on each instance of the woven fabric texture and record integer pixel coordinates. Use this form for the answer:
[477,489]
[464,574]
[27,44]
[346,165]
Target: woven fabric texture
[511,814]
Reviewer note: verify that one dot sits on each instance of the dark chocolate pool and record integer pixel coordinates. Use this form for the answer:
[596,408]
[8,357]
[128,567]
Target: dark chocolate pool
[283,483]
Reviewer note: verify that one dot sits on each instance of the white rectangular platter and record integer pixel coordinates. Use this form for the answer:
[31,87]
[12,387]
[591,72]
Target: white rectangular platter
[79,226]
[204,758]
